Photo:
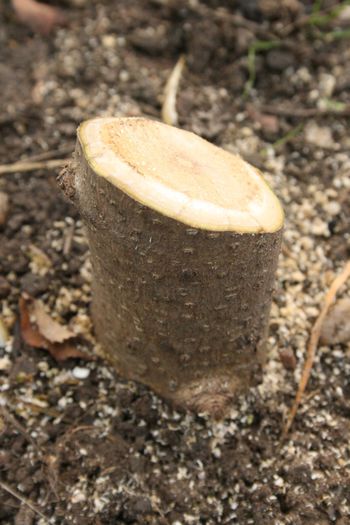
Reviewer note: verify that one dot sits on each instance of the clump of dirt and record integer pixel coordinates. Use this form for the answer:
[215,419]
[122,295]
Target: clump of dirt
[78,443]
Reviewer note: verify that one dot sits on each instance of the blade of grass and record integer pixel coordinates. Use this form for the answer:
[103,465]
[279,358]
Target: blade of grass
[318,19]
[285,139]
[256,47]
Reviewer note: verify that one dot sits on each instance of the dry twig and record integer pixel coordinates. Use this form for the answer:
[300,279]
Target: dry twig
[314,338]
[50,154]
[23,166]
[24,500]
[300,112]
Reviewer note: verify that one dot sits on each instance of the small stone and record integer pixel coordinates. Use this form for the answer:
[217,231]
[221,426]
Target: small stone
[279,60]
[78,496]
[33,284]
[109,41]
[333,208]
[80,373]
[4,363]
[326,84]
[336,327]
[143,506]
[319,136]
[288,358]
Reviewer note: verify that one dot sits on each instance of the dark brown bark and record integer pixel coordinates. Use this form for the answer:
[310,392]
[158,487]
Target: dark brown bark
[182,310]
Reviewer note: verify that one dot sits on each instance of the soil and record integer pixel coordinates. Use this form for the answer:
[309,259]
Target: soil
[78,443]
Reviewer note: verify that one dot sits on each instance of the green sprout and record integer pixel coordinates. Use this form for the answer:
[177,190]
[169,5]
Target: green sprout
[256,47]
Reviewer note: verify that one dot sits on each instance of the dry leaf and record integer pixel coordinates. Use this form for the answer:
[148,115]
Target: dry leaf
[41,18]
[29,332]
[4,207]
[336,326]
[39,330]
[51,330]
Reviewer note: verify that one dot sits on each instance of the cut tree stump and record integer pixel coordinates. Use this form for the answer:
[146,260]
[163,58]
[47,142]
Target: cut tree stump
[184,241]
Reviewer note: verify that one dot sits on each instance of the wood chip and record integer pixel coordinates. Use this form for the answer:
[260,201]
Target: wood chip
[4,207]
[4,335]
[169,112]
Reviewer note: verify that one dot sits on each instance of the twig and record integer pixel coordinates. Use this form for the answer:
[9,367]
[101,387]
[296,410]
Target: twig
[48,155]
[314,338]
[68,238]
[222,14]
[24,166]
[169,113]
[24,500]
[304,112]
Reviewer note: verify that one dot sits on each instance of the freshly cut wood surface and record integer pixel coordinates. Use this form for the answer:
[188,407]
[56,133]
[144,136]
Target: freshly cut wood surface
[180,175]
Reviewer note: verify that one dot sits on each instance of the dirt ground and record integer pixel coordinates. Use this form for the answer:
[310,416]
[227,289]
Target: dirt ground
[78,444]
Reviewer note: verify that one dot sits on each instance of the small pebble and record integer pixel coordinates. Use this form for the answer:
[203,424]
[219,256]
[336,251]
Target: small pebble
[320,136]
[80,373]
[4,363]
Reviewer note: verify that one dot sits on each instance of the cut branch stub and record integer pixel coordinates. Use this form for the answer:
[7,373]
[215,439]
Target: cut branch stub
[184,241]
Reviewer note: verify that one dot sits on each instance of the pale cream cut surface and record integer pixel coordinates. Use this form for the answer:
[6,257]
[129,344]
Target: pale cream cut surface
[180,175]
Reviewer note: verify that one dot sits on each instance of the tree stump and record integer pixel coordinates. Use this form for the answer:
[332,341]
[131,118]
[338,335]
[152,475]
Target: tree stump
[184,241]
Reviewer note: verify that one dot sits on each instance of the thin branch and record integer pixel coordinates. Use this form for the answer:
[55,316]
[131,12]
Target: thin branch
[23,166]
[24,500]
[48,155]
[304,112]
[313,342]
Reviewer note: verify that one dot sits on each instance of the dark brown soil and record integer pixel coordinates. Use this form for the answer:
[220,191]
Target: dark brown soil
[99,450]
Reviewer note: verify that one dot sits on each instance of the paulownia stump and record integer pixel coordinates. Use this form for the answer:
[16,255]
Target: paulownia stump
[184,241]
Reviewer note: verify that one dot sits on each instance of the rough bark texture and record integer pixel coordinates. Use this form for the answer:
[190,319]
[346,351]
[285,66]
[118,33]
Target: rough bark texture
[182,310]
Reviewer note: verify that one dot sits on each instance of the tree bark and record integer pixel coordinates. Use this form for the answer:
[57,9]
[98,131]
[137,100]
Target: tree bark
[183,310]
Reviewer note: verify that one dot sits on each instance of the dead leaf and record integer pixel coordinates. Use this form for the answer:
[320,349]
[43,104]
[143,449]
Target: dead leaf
[39,330]
[4,207]
[29,332]
[41,18]
[336,326]
[50,329]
